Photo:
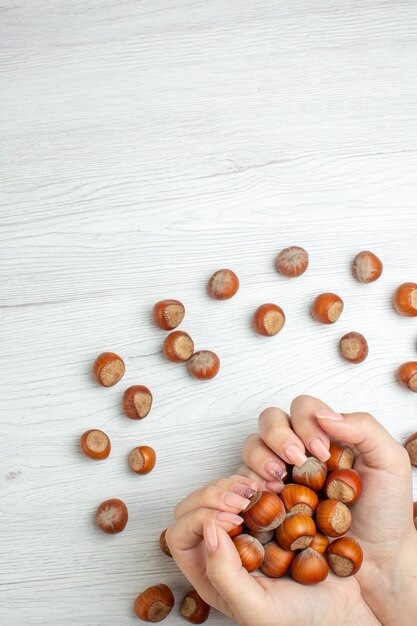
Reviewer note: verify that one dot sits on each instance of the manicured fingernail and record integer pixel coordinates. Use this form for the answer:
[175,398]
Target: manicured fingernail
[319,449]
[327,414]
[210,536]
[236,501]
[294,455]
[250,483]
[243,491]
[277,487]
[223,516]
[275,470]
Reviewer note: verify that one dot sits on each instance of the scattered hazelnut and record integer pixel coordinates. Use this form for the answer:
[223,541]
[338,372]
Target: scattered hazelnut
[411,447]
[366,267]
[276,561]
[341,457]
[264,512]
[178,347]
[194,609]
[268,319]
[111,516]
[168,314]
[251,552]
[333,518]
[327,308]
[203,365]
[309,567]
[223,284]
[344,556]
[142,459]
[354,347]
[292,261]
[95,444]
[108,369]
[154,604]
[311,473]
[407,375]
[137,402]
[344,485]
[405,299]
[163,544]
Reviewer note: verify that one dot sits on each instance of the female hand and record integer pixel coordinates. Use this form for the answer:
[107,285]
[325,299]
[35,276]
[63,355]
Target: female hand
[382,517]
[203,550]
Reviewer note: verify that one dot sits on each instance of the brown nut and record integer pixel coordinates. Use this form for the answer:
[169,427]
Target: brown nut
[344,485]
[265,511]
[268,319]
[95,444]
[154,604]
[309,567]
[327,308]
[163,543]
[319,543]
[251,552]
[341,457]
[333,518]
[354,347]
[194,609]
[112,516]
[142,459]
[366,267]
[178,347]
[292,261]
[411,447]
[405,299]
[311,473]
[108,369]
[223,285]
[137,402]
[344,556]
[203,365]
[296,532]
[299,498]
[407,375]
[263,536]
[168,314]
[276,561]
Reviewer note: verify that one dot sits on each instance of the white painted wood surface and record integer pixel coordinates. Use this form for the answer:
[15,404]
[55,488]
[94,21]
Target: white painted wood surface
[145,145]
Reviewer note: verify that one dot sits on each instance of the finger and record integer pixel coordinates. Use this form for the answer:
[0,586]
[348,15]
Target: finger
[375,445]
[262,484]
[276,432]
[187,532]
[237,479]
[307,426]
[217,498]
[262,460]
[226,574]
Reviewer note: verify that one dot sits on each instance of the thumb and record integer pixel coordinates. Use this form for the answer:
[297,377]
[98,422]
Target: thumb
[225,571]
[376,446]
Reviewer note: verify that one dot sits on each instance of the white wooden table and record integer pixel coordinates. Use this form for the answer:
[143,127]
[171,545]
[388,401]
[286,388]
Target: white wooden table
[146,144]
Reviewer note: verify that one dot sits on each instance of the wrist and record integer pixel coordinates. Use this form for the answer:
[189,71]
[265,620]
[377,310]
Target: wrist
[391,590]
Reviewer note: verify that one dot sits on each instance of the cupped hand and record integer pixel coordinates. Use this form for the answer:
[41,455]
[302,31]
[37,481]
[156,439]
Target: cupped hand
[202,548]
[382,517]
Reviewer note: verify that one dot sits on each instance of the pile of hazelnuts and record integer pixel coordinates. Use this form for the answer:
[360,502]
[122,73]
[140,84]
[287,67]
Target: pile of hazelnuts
[290,533]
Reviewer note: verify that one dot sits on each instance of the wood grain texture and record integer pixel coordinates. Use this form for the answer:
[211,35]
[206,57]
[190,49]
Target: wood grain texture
[145,145]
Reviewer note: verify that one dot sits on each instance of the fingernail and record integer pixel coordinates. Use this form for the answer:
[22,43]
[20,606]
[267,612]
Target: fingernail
[327,414]
[294,455]
[230,517]
[275,470]
[250,483]
[319,450]
[236,501]
[243,491]
[210,536]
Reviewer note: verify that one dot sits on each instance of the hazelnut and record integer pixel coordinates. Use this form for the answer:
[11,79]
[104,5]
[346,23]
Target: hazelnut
[309,567]
[264,512]
[311,473]
[178,347]
[411,447]
[292,261]
[95,444]
[168,314]
[319,543]
[341,457]
[223,284]
[137,402]
[344,556]
[108,369]
[276,561]
[366,267]
[263,536]
[142,459]
[268,319]
[354,347]
[296,532]
[194,609]
[344,485]
[251,552]
[112,516]
[154,604]
[203,365]
[405,299]
[299,498]
[333,518]
[407,375]
[327,308]
[163,543]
